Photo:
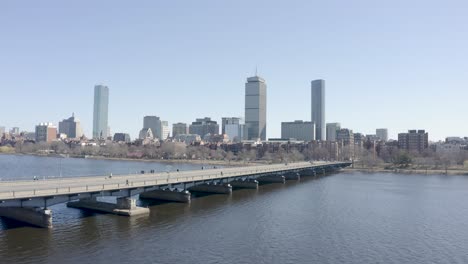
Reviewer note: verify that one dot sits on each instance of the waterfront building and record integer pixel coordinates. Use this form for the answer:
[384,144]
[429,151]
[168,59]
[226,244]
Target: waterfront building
[299,130]
[122,137]
[359,140]
[382,134]
[414,140]
[255,108]
[189,139]
[203,126]
[179,128]
[332,129]
[345,137]
[71,127]
[229,121]
[318,108]
[46,132]
[146,133]
[100,113]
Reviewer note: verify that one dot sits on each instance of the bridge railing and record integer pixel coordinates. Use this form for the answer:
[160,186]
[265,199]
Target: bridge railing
[159,179]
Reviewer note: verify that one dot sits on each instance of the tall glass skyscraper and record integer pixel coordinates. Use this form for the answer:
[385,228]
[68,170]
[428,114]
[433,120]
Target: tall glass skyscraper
[100,114]
[255,108]
[318,108]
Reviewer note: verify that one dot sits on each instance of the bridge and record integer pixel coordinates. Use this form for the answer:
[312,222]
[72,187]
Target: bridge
[29,201]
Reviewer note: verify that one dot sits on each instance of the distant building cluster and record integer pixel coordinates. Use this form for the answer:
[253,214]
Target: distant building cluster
[235,133]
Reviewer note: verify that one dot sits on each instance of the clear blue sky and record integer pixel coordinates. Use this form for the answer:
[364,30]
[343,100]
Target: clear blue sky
[399,64]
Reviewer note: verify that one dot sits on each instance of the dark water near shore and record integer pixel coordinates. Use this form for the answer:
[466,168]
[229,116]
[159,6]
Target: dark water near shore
[342,218]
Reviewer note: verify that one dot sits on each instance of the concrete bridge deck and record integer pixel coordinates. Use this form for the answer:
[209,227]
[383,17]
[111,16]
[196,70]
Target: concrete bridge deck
[44,193]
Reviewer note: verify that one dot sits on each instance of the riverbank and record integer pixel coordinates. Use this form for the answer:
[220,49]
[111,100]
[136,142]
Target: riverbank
[409,171]
[231,163]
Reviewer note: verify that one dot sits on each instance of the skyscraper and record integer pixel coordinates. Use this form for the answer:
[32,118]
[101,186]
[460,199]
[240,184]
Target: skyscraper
[100,114]
[318,108]
[255,108]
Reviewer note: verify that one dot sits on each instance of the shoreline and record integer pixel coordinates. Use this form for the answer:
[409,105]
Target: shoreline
[409,171]
[173,161]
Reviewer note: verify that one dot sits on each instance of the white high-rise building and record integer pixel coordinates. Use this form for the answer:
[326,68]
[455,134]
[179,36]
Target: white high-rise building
[255,108]
[318,108]
[165,131]
[100,113]
[332,130]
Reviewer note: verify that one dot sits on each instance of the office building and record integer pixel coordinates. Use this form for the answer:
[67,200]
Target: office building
[2,131]
[165,132]
[46,132]
[71,127]
[14,131]
[299,130]
[229,121]
[153,122]
[318,108]
[414,140]
[255,108]
[382,134]
[179,129]
[122,137]
[332,129]
[100,113]
[236,132]
[203,126]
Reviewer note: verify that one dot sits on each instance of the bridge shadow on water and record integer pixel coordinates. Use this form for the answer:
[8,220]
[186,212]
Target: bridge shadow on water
[161,212]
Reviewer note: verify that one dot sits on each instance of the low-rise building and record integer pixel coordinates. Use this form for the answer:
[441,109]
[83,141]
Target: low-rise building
[122,137]
[203,126]
[46,132]
[414,140]
[299,130]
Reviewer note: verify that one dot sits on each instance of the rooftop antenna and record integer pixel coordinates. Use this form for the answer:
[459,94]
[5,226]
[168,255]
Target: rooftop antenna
[256,71]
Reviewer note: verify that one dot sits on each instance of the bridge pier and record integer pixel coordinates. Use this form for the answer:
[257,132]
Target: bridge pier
[125,206]
[292,176]
[212,188]
[244,184]
[181,196]
[274,178]
[35,216]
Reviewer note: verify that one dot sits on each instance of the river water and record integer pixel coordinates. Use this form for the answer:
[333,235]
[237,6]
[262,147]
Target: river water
[341,218]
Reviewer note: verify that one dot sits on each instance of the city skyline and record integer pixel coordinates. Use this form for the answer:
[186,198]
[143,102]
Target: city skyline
[392,79]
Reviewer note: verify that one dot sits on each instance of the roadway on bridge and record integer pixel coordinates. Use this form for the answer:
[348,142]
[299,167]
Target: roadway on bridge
[35,188]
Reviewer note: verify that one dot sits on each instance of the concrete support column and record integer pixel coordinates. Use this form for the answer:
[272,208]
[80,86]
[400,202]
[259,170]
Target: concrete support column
[175,195]
[212,188]
[125,206]
[274,178]
[244,184]
[31,215]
